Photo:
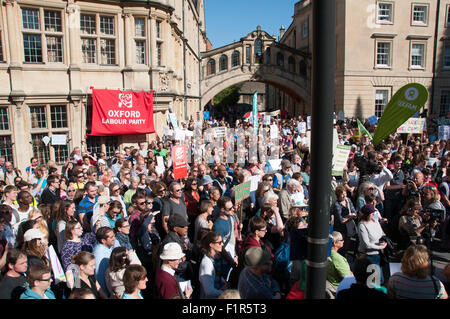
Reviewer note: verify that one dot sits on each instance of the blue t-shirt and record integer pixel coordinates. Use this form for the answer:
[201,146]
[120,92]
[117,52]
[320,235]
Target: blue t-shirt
[125,296]
[87,207]
[222,227]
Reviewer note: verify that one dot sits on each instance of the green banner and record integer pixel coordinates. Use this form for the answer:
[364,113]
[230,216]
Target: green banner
[405,103]
[242,191]
[362,130]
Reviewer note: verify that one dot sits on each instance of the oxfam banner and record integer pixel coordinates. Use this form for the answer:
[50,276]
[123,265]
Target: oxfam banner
[405,103]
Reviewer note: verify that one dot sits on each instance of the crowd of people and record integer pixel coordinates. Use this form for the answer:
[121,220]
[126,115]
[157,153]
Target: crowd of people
[123,227]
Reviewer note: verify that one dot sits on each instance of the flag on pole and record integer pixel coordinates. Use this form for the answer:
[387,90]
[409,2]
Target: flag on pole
[362,130]
[255,112]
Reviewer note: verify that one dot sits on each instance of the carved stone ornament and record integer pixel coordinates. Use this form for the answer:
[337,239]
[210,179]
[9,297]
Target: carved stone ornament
[163,82]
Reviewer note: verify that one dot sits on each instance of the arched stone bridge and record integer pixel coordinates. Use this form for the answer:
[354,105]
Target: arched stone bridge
[256,57]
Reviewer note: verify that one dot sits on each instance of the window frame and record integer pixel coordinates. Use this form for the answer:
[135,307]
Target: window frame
[427,8]
[444,66]
[384,89]
[44,35]
[52,150]
[221,59]
[391,20]
[383,66]
[235,55]
[9,134]
[140,38]
[98,37]
[440,101]
[424,55]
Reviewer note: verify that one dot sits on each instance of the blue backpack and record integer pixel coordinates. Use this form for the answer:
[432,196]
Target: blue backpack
[282,262]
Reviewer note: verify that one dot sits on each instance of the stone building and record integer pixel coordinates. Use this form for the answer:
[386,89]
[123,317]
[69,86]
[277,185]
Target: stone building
[381,46]
[53,51]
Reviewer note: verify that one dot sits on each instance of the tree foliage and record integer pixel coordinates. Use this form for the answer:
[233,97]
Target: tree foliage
[227,98]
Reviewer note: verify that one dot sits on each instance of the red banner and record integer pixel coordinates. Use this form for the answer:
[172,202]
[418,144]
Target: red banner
[116,112]
[179,160]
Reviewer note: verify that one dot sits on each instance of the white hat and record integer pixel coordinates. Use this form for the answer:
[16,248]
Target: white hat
[33,233]
[103,199]
[101,161]
[171,251]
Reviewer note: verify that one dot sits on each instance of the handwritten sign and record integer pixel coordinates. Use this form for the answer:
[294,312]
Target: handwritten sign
[340,158]
[302,127]
[266,120]
[242,191]
[413,125]
[220,131]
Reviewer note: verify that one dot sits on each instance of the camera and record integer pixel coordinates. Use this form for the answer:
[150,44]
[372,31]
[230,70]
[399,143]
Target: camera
[367,167]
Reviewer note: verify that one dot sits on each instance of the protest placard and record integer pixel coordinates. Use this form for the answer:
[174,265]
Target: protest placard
[412,125]
[242,191]
[254,182]
[179,134]
[179,158]
[302,127]
[308,122]
[173,120]
[444,132]
[275,164]
[274,131]
[372,120]
[340,158]
[57,269]
[220,131]
[266,120]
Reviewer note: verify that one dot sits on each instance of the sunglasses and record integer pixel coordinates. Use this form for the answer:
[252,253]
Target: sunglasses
[70,190]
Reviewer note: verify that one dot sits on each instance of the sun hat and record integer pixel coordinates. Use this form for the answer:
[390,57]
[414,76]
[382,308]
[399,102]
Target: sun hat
[33,233]
[103,199]
[256,256]
[206,180]
[172,251]
[367,209]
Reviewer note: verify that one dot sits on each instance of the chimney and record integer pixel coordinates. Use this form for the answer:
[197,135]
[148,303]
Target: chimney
[281,32]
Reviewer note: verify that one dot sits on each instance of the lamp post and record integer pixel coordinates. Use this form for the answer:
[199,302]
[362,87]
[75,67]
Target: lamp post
[323,71]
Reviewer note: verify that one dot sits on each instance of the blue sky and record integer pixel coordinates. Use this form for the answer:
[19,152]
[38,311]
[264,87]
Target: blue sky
[230,20]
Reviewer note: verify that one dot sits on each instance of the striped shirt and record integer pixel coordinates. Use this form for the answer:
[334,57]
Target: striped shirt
[86,207]
[402,286]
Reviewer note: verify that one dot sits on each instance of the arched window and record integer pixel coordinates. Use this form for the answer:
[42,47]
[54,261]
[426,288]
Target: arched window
[211,67]
[280,60]
[303,71]
[235,59]
[223,63]
[258,49]
[291,62]
[268,56]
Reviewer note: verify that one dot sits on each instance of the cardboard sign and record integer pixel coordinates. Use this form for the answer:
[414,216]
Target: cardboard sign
[179,134]
[275,164]
[444,132]
[340,158]
[59,139]
[173,120]
[220,131]
[58,272]
[179,158]
[302,127]
[274,131]
[413,125]
[254,182]
[242,191]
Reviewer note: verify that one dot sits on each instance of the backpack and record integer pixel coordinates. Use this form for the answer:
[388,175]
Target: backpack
[283,264]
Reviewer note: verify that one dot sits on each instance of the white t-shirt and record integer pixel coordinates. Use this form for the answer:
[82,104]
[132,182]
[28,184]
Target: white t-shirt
[22,217]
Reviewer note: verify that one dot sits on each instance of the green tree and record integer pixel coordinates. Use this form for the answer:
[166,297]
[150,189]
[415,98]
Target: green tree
[227,98]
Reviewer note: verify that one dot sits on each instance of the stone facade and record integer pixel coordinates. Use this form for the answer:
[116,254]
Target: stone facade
[53,51]
[381,46]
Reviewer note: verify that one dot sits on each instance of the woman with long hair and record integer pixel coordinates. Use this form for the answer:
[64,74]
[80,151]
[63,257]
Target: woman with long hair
[211,277]
[37,216]
[35,247]
[114,194]
[118,262]
[66,213]
[75,242]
